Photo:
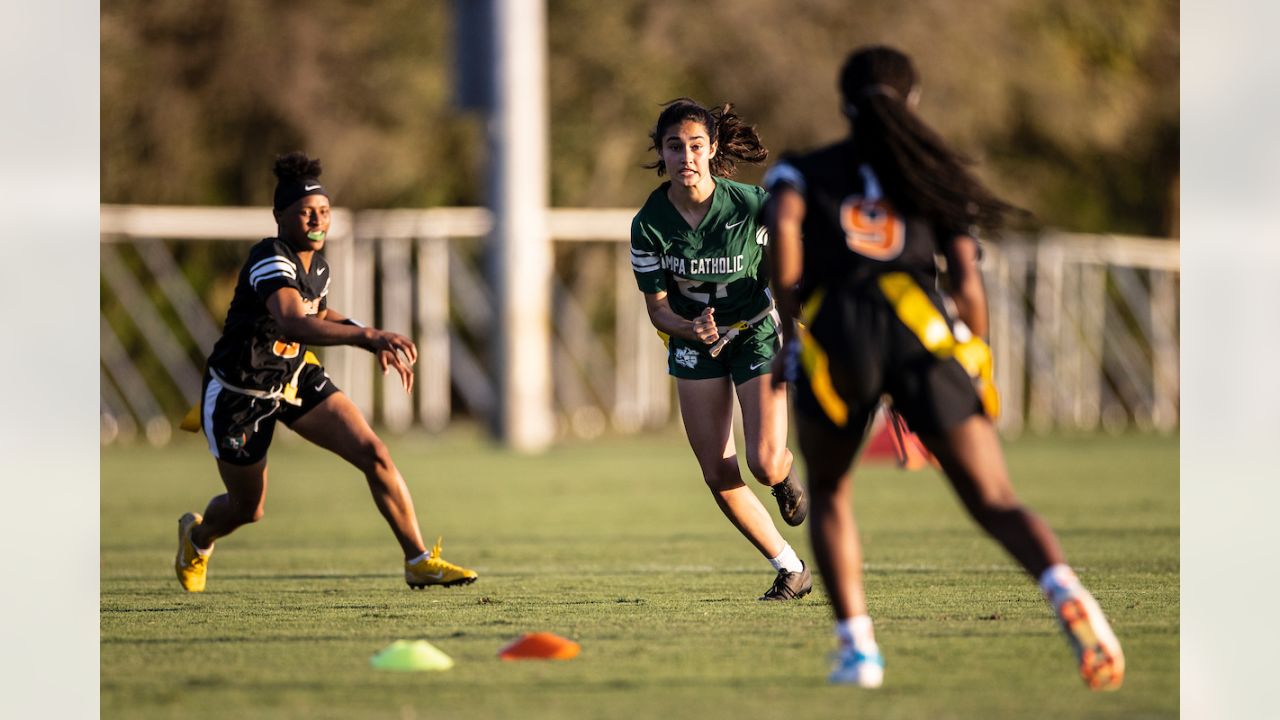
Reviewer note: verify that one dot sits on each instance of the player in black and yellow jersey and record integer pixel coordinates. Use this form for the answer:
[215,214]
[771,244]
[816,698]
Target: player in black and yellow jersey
[697,249]
[856,227]
[260,372]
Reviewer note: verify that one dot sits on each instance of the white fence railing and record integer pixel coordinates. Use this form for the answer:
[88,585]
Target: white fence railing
[1084,328]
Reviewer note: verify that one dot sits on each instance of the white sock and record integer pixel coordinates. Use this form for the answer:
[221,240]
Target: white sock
[202,552]
[857,633]
[787,560]
[420,558]
[1059,582]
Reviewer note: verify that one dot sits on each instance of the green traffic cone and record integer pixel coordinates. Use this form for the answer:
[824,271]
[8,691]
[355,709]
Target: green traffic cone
[411,655]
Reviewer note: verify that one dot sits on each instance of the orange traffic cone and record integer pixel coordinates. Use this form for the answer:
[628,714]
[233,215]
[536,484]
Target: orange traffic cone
[540,646]
[891,439]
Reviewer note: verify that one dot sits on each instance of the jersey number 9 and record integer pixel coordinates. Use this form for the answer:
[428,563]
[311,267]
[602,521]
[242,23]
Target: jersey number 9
[872,228]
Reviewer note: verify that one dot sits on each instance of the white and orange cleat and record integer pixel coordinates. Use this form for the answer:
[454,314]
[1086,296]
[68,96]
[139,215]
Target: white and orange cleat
[1098,652]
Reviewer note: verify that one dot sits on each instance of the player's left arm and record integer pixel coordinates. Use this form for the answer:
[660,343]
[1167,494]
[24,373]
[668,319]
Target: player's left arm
[965,279]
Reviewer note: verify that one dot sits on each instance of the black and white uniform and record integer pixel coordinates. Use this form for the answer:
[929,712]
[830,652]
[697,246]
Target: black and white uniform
[861,256]
[254,375]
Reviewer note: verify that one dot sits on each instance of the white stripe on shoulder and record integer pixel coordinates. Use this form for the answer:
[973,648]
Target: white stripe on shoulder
[272,268]
[638,254]
[784,172]
[273,258]
[268,277]
[762,235]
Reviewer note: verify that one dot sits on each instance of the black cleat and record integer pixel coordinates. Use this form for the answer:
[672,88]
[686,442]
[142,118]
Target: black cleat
[793,502]
[790,585]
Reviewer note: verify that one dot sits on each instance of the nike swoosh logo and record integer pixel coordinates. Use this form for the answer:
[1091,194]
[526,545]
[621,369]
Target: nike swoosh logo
[758,365]
[321,270]
[437,575]
[309,188]
[727,226]
[326,382]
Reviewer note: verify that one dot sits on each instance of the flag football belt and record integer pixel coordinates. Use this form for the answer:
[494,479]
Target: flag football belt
[926,322]
[732,330]
[288,393]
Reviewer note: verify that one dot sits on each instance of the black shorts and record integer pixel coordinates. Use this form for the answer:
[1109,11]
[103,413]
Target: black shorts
[869,352]
[239,427]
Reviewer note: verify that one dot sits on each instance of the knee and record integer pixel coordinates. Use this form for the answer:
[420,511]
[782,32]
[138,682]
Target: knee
[246,513]
[722,476]
[769,464]
[373,457]
[993,506]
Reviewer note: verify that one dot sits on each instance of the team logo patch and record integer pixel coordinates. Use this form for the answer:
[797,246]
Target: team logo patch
[688,357]
[234,443]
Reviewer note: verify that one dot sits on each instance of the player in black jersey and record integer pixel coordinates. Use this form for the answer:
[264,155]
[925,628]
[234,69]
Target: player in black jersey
[260,371]
[855,228]
[697,250]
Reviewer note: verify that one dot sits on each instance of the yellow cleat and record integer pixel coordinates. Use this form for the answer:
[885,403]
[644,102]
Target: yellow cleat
[435,570]
[190,565]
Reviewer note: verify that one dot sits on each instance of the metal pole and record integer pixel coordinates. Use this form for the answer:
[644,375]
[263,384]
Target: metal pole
[520,244]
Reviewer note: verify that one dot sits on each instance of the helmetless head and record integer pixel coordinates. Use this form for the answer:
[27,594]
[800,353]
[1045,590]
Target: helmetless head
[301,202]
[694,143]
[877,70]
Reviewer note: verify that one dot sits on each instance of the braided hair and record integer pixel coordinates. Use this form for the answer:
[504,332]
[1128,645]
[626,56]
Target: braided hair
[919,173]
[735,140]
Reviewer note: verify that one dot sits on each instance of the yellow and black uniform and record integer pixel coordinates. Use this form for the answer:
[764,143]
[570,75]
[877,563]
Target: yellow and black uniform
[256,376]
[873,320]
[717,264]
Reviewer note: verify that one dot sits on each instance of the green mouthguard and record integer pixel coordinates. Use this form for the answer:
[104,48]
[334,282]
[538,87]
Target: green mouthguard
[317,235]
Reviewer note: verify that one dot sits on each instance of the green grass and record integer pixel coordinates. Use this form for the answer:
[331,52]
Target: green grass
[617,545]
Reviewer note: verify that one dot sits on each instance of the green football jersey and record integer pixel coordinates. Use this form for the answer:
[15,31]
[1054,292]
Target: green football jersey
[717,263]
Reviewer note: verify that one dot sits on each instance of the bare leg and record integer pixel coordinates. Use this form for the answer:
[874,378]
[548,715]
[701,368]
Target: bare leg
[833,531]
[706,407]
[243,503]
[337,425]
[970,455]
[764,429]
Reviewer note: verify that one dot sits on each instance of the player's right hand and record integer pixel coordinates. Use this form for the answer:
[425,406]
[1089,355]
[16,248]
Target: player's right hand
[394,343]
[704,326]
[395,351]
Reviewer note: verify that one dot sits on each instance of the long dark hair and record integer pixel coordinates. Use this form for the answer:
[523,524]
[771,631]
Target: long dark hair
[918,171]
[735,140]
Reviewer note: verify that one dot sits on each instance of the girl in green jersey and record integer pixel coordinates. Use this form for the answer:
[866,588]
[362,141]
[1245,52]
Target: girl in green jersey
[697,247]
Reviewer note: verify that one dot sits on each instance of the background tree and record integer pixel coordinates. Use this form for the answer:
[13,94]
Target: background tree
[1070,105]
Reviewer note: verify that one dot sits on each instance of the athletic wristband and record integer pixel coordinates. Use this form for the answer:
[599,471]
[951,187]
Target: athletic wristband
[353,321]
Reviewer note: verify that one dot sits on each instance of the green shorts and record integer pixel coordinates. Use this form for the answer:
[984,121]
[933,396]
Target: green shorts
[747,356]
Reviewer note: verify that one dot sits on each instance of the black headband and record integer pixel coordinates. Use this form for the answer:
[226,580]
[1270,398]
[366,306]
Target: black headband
[289,192]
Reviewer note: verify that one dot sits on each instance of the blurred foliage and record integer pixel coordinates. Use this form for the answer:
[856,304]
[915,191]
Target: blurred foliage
[1070,106]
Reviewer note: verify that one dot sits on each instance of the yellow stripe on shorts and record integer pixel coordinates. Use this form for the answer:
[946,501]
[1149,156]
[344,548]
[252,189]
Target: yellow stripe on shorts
[813,359]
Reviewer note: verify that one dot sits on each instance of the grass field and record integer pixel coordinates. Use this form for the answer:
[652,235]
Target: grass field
[617,545]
